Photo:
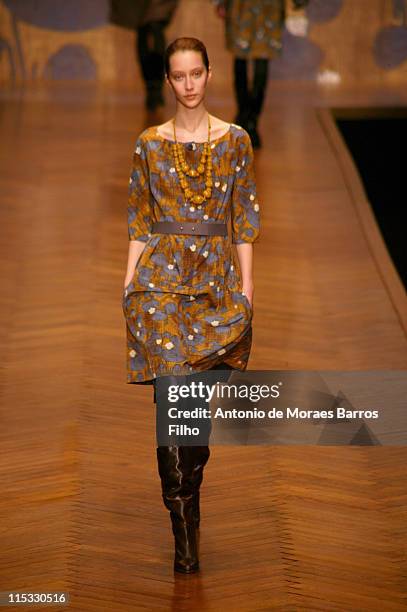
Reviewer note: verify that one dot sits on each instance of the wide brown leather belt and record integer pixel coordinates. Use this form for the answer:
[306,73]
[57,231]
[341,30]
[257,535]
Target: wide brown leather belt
[189,227]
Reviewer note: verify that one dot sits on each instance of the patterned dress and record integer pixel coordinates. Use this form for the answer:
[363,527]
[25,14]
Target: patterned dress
[184,307]
[253,28]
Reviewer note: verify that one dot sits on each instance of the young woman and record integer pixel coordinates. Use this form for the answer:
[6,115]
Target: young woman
[187,306]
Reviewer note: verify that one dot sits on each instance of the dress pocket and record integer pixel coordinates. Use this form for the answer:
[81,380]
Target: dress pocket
[142,258]
[249,306]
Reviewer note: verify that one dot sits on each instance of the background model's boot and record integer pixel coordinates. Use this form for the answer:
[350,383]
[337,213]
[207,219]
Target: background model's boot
[176,469]
[154,94]
[257,99]
[241,91]
[150,47]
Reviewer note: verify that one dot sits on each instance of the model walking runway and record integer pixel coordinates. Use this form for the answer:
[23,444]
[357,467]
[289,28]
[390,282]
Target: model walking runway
[185,303]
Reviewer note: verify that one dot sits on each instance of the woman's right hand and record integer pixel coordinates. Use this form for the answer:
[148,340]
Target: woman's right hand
[136,247]
[127,282]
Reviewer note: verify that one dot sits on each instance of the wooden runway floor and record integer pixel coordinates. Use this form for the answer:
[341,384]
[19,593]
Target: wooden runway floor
[283,528]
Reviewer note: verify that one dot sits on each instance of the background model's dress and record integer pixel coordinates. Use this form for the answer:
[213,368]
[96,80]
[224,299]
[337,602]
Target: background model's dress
[184,307]
[254,28]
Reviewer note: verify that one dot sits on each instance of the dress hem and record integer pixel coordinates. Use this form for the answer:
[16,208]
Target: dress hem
[151,381]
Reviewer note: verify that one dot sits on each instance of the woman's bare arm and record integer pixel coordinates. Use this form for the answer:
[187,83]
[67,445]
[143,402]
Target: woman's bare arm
[136,247]
[245,256]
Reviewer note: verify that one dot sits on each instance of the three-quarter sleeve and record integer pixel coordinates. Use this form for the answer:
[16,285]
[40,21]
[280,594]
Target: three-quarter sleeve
[245,213]
[139,211]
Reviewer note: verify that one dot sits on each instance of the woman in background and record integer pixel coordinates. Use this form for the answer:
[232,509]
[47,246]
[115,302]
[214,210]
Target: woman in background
[253,31]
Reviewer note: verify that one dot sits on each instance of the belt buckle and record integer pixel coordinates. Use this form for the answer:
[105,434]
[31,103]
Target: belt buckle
[181,227]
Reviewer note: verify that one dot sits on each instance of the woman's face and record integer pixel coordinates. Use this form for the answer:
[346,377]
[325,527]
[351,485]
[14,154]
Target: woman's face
[188,77]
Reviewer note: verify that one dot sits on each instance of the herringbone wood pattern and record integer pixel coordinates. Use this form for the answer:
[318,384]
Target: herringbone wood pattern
[283,528]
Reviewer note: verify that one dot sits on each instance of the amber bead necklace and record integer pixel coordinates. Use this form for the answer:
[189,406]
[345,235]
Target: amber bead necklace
[184,169]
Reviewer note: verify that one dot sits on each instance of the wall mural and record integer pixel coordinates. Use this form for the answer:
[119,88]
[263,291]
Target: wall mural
[69,61]
[81,58]
[301,58]
[72,15]
[319,11]
[390,44]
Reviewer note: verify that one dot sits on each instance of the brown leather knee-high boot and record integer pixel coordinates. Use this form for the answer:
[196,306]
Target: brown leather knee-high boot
[176,469]
[201,455]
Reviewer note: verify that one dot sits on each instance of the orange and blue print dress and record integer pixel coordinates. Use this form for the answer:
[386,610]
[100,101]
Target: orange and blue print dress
[184,307]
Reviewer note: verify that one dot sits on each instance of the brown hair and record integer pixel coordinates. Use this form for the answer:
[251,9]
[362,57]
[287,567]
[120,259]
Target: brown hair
[185,43]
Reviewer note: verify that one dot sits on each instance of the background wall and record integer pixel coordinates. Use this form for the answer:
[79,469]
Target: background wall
[362,40]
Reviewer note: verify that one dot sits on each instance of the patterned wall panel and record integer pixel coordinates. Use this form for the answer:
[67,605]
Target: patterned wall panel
[66,16]
[71,62]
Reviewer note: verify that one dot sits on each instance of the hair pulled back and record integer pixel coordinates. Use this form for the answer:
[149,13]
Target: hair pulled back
[185,43]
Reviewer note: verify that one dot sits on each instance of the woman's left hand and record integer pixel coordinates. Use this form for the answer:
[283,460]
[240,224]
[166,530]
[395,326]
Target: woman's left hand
[248,290]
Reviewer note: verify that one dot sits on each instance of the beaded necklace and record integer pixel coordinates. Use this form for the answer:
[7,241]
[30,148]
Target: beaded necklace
[184,169]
